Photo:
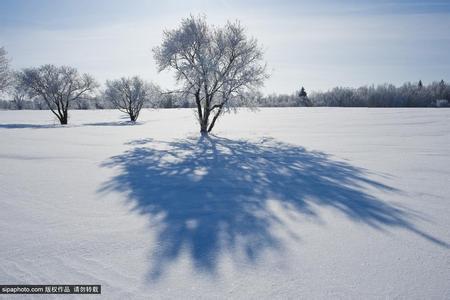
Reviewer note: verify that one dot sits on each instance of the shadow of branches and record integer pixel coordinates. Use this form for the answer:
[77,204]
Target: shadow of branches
[211,194]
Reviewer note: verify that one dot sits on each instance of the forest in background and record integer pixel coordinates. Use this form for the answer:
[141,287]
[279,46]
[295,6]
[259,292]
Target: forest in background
[386,95]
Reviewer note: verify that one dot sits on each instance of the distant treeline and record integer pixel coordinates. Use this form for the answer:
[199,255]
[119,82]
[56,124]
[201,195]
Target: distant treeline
[386,95]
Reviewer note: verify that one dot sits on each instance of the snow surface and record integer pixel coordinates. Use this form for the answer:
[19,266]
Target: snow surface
[279,203]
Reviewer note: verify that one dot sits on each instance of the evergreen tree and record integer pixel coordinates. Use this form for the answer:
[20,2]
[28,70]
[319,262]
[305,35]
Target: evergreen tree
[442,88]
[304,100]
[303,93]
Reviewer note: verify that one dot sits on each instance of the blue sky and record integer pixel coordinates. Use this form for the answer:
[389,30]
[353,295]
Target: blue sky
[319,44]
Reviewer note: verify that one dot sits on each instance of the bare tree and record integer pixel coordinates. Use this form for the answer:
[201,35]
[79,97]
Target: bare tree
[215,65]
[5,78]
[19,100]
[18,92]
[129,95]
[57,86]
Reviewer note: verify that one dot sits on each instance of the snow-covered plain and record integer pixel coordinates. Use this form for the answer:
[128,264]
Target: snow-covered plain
[278,203]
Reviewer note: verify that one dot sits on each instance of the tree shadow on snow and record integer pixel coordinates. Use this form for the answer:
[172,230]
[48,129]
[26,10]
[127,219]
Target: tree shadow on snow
[49,126]
[32,126]
[209,195]
[120,123]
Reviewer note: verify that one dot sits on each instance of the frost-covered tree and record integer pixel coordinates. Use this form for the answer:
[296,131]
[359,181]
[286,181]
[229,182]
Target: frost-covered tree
[38,104]
[5,77]
[215,66]
[59,87]
[130,94]
[17,92]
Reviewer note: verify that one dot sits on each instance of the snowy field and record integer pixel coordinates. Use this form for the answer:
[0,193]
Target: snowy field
[279,203]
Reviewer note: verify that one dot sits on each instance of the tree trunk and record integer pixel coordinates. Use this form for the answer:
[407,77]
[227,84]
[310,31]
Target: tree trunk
[204,124]
[63,120]
[132,118]
[215,118]
[203,127]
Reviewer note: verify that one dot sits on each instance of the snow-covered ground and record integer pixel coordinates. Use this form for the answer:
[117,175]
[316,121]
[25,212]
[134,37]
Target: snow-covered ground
[279,203]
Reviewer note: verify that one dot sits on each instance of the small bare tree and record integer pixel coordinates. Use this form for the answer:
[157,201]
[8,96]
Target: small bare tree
[17,91]
[59,87]
[215,65]
[19,97]
[129,95]
[5,78]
